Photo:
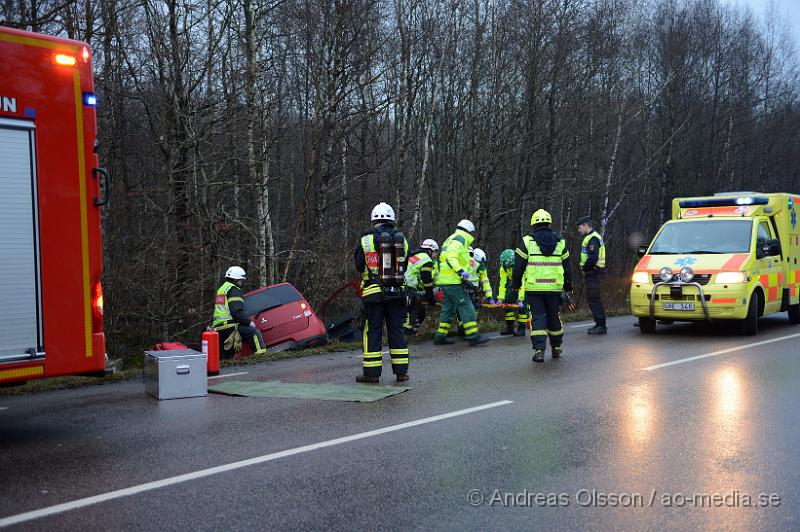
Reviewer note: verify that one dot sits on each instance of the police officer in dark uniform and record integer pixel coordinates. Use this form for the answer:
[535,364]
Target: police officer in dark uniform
[593,264]
[383,302]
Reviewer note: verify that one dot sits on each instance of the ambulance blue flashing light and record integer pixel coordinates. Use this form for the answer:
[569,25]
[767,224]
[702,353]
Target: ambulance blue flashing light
[723,202]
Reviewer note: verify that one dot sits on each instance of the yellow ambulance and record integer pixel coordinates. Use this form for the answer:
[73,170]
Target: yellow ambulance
[731,256]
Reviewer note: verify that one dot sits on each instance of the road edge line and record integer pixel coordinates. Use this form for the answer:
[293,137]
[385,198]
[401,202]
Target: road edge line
[722,352]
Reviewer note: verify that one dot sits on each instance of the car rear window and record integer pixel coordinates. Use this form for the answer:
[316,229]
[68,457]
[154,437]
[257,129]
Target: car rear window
[270,298]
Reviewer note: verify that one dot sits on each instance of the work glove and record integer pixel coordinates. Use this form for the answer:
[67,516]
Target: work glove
[360,316]
[492,301]
[233,344]
[511,297]
[521,305]
[464,275]
[253,324]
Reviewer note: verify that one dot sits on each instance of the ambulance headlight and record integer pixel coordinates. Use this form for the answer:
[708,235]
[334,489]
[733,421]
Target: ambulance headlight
[666,274]
[641,278]
[687,274]
[731,278]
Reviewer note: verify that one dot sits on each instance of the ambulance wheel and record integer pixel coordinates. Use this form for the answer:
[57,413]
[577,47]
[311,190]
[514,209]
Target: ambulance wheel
[647,325]
[750,324]
[794,314]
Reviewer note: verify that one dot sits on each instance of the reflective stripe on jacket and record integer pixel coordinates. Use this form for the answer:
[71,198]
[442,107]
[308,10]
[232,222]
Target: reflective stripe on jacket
[544,273]
[601,252]
[416,264]
[454,257]
[506,284]
[222,310]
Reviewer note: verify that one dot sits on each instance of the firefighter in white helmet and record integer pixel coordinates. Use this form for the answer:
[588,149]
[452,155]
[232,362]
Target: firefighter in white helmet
[380,258]
[454,276]
[420,274]
[230,320]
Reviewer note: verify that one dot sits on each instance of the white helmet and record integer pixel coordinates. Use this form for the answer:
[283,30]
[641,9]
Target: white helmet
[466,225]
[430,244]
[382,211]
[479,255]
[235,272]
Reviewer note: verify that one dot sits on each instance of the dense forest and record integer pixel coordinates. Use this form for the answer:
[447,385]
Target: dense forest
[261,133]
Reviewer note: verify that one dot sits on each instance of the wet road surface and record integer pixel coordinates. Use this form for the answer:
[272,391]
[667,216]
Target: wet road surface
[622,432]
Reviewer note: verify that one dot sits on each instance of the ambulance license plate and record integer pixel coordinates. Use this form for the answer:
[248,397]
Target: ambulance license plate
[679,306]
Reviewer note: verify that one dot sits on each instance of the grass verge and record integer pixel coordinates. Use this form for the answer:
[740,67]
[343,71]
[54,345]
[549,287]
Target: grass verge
[131,367]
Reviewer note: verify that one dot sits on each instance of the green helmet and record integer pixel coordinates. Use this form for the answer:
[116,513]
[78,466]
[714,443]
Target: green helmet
[507,258]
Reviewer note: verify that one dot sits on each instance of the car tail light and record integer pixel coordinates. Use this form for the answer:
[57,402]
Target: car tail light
[97,299]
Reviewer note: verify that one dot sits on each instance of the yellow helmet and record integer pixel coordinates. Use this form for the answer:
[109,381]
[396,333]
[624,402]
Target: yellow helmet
[541,217]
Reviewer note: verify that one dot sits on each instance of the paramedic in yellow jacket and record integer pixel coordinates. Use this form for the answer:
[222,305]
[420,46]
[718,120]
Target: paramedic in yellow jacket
[480,278]
[453,274]
[506,294]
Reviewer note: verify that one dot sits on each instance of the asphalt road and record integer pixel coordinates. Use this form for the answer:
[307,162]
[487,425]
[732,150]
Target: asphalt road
[492,441]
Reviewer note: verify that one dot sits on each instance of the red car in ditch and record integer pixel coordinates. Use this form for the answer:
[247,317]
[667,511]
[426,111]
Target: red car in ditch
[285,318]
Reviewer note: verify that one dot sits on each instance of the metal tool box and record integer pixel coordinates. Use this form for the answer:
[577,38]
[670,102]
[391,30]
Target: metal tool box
[175,374]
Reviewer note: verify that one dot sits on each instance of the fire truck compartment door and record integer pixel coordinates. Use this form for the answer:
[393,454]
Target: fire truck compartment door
[20,307]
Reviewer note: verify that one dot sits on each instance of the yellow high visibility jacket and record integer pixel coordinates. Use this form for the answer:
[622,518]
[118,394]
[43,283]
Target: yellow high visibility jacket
[454,257]
[544,273]
[601,252]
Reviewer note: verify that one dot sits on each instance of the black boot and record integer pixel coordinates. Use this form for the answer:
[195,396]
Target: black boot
[368,380]
[538,355]
[509,329]
[402,377]
[478,340]
[556,351]
[520,330]
[597,329]
[442,340]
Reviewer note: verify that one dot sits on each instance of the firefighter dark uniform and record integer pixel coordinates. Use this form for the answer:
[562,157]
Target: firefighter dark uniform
[593,265]
[543,261]
[381,305]
[419,277]
[506,294]
[229,317]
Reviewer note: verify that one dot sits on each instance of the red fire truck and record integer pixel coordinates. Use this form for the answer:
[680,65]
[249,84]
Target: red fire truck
[51,192]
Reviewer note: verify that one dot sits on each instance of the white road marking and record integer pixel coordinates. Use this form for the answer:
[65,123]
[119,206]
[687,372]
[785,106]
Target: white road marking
[722,352]
[229,375]
[3,408]
[582,325]
[171,481]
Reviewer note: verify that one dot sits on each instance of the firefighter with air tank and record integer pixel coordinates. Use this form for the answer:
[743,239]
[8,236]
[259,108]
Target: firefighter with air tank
[380,258]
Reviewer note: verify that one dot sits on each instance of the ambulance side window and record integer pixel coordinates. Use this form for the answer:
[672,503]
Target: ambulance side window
[764,233]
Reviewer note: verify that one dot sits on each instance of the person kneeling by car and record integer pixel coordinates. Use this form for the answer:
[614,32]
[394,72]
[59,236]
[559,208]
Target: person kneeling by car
[230,320]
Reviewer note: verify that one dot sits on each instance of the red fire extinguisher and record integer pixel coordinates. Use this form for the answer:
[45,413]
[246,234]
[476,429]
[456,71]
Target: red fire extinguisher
[211,349]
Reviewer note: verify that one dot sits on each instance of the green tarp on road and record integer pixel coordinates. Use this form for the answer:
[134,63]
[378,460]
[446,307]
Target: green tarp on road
[363,393]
